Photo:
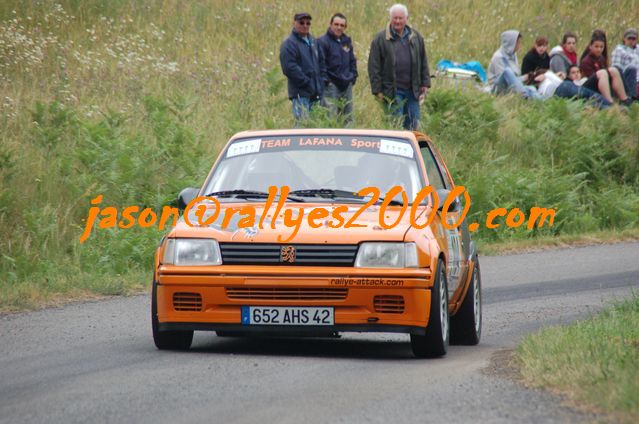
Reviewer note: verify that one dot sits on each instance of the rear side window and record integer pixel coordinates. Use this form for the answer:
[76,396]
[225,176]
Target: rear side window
[435,178]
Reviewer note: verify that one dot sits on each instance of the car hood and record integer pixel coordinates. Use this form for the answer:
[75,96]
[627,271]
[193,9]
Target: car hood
[304,233]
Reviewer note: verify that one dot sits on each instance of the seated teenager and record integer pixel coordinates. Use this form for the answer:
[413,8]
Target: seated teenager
[564,56]
[537,57]
[572,87]
[601,78]
[625,57]
[503,72]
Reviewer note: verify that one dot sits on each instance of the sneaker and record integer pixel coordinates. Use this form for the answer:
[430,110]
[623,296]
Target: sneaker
[627,102]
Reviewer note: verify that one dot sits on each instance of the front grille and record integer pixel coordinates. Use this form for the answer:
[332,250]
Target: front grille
[288,293]
[275,254]
[389,304]
[187,302]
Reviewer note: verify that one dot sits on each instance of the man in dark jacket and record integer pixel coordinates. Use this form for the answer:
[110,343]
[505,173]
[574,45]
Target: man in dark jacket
[303,64]
[341,67]
[398,67]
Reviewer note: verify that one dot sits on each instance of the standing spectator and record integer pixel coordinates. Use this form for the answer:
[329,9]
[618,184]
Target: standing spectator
[594,66]
[503,70]
[625,57]
[303,64]
[564,56]
[537,57]
[341,67]
[398,68]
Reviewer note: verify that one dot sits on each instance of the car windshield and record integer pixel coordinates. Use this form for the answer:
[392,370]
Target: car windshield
[344,164]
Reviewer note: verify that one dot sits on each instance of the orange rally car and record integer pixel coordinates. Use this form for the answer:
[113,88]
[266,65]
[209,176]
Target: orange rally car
[247,259]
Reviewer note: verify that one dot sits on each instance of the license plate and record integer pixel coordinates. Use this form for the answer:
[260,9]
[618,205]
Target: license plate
[287,315]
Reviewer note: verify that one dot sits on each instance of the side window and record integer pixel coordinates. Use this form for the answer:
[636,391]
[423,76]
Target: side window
[435,178]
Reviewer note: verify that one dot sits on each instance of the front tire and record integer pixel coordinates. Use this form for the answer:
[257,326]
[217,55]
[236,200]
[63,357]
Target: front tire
[435,342]
[466,323]
[167,340]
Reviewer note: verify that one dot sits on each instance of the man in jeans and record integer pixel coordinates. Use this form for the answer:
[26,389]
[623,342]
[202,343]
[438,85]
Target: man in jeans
[303,64]
[398,68]
[341,67]
[626,57]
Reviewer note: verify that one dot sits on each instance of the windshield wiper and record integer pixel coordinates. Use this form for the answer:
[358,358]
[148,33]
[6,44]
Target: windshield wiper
[393,202]
[332,194]
[328,193]
[246,194]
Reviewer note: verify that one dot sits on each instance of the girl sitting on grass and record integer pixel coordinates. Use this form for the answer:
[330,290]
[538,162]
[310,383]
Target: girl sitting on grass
[572,87]
[601,78]
[537,57]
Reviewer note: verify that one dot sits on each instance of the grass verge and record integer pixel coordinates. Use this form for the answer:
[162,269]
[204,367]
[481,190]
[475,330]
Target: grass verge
[594,362]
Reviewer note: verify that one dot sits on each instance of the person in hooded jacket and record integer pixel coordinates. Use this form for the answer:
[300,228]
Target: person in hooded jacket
[564,56]
[337,49]
[504,73]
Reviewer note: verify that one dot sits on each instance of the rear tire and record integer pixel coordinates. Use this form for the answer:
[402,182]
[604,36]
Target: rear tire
[167,340]
[435,342]
[465,325]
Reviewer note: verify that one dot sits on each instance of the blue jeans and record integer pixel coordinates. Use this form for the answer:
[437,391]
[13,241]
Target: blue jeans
[340,102]
[569,90]
[407,106]
[509,82]
[629,77]
[302,107]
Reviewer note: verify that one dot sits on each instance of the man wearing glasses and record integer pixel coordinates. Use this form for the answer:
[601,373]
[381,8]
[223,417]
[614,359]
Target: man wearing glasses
[303,64]
[341,66]
[626,58]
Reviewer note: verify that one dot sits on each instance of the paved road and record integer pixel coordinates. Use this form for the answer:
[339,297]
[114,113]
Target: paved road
[96,362]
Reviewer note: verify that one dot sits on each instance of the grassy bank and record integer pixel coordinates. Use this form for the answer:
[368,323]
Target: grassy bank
[595,362]
[133,100]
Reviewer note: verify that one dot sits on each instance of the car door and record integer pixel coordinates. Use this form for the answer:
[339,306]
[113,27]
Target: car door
[457,245]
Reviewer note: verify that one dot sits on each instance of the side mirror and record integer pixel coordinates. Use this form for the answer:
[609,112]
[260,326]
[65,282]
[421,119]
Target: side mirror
[442,194]
[186,195]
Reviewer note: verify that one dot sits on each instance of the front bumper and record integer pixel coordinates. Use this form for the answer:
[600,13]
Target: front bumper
[294,330]
[355,312]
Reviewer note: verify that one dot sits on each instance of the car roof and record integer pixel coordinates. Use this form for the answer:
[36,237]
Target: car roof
[328,131]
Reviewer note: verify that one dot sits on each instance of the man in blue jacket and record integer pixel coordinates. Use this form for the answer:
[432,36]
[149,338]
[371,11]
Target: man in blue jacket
[303,64]
[341,67]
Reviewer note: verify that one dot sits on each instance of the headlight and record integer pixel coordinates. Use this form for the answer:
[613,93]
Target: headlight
[387,255]
[192,251]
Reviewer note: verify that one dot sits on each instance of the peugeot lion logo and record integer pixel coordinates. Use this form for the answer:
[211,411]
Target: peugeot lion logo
[287,254]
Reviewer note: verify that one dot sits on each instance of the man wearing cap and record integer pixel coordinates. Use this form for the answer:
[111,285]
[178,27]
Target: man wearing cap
[341,67]
[398,68]
[626,57]
[303,64]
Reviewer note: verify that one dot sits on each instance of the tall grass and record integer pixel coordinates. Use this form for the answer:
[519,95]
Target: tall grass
[595,361]
[133,100]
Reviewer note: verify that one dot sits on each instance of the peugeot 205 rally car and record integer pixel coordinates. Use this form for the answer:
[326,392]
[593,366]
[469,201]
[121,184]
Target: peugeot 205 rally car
[248,258]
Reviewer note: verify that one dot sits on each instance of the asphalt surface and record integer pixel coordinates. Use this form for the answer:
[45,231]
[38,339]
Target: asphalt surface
[96,362]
